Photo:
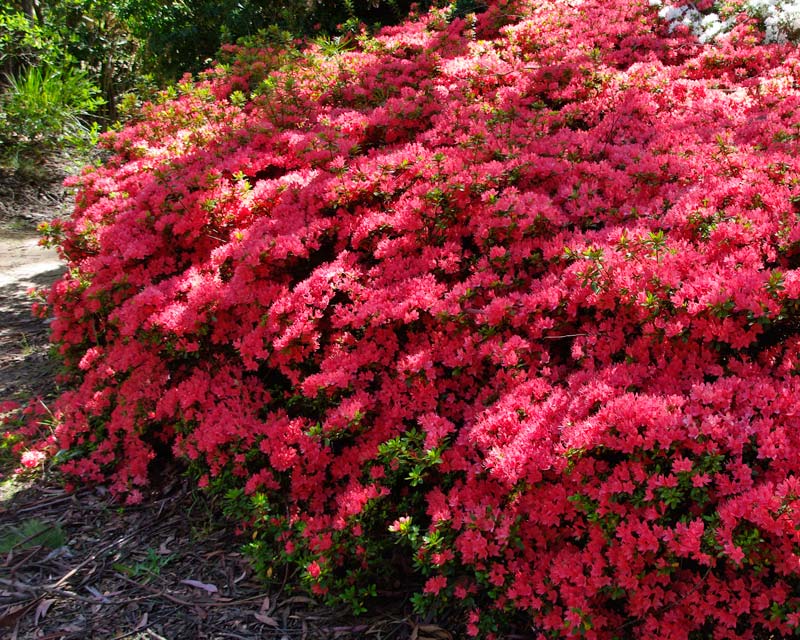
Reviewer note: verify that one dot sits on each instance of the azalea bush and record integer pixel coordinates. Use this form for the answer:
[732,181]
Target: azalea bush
[501,305]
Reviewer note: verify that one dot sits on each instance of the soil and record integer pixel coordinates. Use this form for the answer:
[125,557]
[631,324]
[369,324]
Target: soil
[25,368]
[27,199]
[77,565]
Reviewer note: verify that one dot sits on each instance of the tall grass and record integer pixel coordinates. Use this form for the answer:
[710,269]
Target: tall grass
[44,108]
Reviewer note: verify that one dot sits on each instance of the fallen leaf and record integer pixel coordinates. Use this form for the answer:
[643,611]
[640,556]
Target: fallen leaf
[265,605]
[101,597]
[210,588]
[430,632]
[142,623]
[298,600]
[10,617]
[41,610]
[269,620]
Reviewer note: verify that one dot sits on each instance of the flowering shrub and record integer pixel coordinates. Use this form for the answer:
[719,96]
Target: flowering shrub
[506,303]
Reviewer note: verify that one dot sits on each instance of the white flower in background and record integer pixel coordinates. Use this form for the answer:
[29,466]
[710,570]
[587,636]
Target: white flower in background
[780,18]
[672,14]
[788,23]
[759,8]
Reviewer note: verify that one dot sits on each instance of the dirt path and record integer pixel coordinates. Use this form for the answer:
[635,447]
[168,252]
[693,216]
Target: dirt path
[25,368]
[28,197]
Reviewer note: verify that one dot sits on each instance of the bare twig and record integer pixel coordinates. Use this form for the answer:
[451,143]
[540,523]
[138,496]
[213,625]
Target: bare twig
[117,543]
[46,503]
[188,603]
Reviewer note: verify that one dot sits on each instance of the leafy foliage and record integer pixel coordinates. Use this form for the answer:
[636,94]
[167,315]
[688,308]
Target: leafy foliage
[43,108]
[57,77]
[502,305]
[31,532]
[180,36]
[23,42]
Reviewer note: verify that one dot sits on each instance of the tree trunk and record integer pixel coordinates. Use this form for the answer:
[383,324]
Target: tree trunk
[29,10]
[108,88]
[37,8]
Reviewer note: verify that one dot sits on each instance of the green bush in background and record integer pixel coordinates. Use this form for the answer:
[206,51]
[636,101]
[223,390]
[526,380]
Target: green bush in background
[50,96]
[180,36]
[45,108]
[23,42]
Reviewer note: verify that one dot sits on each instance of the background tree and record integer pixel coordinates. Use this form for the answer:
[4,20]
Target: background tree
[181,36]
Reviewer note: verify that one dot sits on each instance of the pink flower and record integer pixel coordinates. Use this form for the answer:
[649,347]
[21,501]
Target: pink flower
[313,569]
[8,405]
[680,465]
[435,584]
[735,553]
[32,459]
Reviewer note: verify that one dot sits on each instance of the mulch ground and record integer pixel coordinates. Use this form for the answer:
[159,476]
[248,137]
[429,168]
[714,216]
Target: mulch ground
[27,198]
[36,193]
[164,569]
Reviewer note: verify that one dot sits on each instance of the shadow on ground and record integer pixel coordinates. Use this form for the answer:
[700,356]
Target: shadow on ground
[25,368]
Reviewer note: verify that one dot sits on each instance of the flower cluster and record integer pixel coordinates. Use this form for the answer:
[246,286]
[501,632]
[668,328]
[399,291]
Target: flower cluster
[510,301]
[778,20]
